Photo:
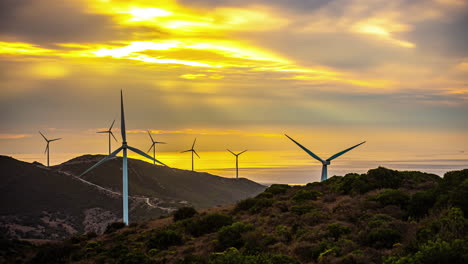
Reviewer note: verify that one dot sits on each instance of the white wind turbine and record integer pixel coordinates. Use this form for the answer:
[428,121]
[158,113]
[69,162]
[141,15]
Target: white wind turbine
[237,161]
[153,146]
[123,148]
[326,162]
[193,151]
[47,149]
[109,132]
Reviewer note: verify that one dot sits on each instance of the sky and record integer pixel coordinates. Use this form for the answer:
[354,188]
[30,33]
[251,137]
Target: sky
[238,75]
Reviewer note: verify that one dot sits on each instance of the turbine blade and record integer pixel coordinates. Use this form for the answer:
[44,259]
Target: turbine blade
[305,149]
[102,132]
[102,161]
[152,140]
[46,148]
[112,134]
[186,151]
[152,145]
[196,153]
[231,152]
[242,152]
[55,139]
[122,118]
[137,151]
[158,142]
[110,128]
[344,151]
[193,145]
[43,136]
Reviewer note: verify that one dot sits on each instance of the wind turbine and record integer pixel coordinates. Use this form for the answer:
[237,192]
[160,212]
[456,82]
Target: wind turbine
[123,148]
[193,151]
[153,146]
[237,161]
[326,162]
[47,149]
[110,134]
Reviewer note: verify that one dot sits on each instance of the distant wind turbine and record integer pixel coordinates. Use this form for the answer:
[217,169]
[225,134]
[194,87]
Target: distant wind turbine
[326,162]
[110,134]
[123,148]
[47,149]
[193,151]
[237,161]
[153,146]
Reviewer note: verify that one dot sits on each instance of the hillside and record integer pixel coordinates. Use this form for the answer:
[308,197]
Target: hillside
[201,190]
[53,203]
[383,216]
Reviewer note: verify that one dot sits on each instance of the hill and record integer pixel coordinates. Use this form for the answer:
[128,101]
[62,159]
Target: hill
[383,216]
[201,190]
[53,203]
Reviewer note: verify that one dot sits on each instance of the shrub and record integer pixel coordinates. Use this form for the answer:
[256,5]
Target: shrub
[435,252]
[302,209]
[206,224]
[233,256]
[164,239]
[337,230]
[231,236]
[134,258]
[306,195]
[379,220]
[253,205]
[184,213]
[392,197]
[278,189]
[383,237]
[420,203]
[112,227]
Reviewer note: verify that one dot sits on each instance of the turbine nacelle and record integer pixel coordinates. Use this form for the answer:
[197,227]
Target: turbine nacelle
[326,162]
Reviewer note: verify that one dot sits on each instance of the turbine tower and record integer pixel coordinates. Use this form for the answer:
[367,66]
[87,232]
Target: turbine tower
[153,146]
[193,151]
[237,161]
[110,134]
[124,149]
[326,162]
[47,149]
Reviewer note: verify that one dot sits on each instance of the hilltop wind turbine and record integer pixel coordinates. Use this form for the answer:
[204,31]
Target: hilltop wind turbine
[47,149]
[237,161]
[153,146]
[110,134]
[326,162]
[192,150]
[123,148]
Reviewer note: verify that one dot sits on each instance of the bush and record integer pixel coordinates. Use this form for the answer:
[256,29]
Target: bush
[302,209]
[112,227]
[306,195]
[420,203]
[253,205]
[383,237]
[233,256]
[164,239]
[184,213]
[392,197]
[435,252]
[231,236]
[278,189]
[337,230]
[206,224]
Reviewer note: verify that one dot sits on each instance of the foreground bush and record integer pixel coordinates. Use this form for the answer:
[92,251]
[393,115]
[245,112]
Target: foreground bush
[206,224]
[184,213]
[231,236]
[164,239]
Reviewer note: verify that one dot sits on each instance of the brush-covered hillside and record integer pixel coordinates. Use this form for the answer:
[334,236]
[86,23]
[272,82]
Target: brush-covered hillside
[383,216]
[55,203]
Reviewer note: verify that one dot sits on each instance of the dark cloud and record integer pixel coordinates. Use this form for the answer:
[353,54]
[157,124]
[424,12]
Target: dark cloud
[445,37]
[49,21]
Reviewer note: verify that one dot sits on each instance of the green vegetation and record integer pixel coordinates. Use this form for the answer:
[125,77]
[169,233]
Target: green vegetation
[384,216]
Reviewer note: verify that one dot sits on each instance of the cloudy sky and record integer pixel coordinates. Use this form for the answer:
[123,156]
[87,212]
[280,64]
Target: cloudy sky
[238,74]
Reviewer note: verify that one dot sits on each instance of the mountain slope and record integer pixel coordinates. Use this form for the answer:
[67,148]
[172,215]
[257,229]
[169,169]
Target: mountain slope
[53,203]
[383,216]
[201,190]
